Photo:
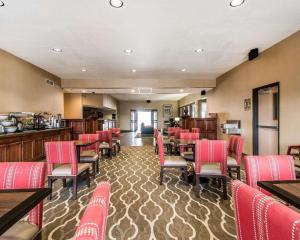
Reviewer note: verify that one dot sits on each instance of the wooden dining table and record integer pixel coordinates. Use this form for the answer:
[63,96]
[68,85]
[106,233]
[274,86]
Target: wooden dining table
[287,190]
[15,204]
[82,143]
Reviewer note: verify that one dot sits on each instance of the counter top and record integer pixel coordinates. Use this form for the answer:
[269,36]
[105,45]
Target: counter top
[27,132]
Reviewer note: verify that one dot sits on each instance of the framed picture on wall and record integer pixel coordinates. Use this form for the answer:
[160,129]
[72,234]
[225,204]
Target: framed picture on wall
[167,110]
[247,104]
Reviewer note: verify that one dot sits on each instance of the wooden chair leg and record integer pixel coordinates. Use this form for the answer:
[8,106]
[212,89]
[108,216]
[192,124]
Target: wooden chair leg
[75,188]
[97,166]
[50,186]
[229,172]
[94,169]
[225,197]
[186,176]
[110,153]
[161,175]
[197,186]
[88,180]
[64,183]
[238,173]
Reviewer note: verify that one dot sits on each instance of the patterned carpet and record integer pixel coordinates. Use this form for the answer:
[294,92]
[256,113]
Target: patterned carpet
[142,209]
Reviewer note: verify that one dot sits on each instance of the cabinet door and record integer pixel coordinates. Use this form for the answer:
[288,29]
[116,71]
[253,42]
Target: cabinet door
[28,151]
[3,153]
[56,138]
[211,136]
[211,125]
[14,152]
[39,149]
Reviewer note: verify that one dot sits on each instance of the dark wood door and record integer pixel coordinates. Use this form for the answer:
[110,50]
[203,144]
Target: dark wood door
[28,150]
[3,151]
[14,152]
[39,149]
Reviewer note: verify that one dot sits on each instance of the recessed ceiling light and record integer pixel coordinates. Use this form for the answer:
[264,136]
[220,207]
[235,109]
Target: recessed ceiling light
[56,49]
[128,51]
[199,50]
[2,3]
[83,91]
[183,70]
[132,91]
[236,3]
[83,70]
[181,90]
[116,3]
[133,70]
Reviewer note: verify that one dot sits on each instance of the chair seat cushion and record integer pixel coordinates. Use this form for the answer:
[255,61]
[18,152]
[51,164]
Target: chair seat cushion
[174,161]
[231,161]
[88,156]
[106,145]
[187,155]
[210,169]
[66,169]
[22,230]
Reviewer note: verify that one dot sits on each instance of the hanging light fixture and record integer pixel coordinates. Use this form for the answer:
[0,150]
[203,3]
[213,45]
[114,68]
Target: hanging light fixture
[116,3]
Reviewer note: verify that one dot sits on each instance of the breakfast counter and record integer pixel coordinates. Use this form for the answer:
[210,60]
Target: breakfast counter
[29,145]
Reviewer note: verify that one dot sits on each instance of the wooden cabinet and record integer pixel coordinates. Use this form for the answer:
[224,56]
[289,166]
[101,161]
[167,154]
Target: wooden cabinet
[81,126]
[14,152]
[29,146]
[208,126]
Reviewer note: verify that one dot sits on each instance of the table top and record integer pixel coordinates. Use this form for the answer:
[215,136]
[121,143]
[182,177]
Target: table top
[84,143]
[15,204]
[287,190]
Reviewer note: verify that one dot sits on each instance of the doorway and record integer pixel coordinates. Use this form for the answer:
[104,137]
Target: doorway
[149,117]
[266,102]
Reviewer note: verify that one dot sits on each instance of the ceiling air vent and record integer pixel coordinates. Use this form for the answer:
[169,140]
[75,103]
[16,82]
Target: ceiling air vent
[144,90]
[49,82]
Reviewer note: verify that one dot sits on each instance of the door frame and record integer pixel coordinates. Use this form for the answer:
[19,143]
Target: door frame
[255,116]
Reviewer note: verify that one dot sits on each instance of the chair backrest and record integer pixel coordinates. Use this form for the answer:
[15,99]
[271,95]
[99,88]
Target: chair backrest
[258,216]
[195,130]
[155,133]
[189,136]
[90,137]
[105,136]
[172,130]
[235,148]
[179,131]
[24,175]
[161,150]
[211,151]
[115,132]
[61,153]
[268,168]
[92,225]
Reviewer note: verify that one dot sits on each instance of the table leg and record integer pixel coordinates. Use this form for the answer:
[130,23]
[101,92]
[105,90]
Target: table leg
[78,153]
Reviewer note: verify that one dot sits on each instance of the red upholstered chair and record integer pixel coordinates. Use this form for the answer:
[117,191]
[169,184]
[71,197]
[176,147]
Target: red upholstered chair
[155,135]
[195,130]
[235,152]
[90,154]
[92,225]
[172,130]
[186,152]
[258,216]
[116,133]
[169,161]
[211,161]
[268,168]
[24,175]
[106,143]
[179,131]
[63,164]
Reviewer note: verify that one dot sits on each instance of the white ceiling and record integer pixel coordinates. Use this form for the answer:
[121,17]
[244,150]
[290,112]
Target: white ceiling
[141,94]
[162,33]
[152,97]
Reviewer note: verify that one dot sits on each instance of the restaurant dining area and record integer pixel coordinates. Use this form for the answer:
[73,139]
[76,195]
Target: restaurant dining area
[149,120]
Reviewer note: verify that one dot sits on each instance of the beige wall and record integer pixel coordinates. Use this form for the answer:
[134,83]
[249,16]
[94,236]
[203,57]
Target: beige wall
[281,63]
[74,103]
[191,98]
[126,106]
[23,87]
